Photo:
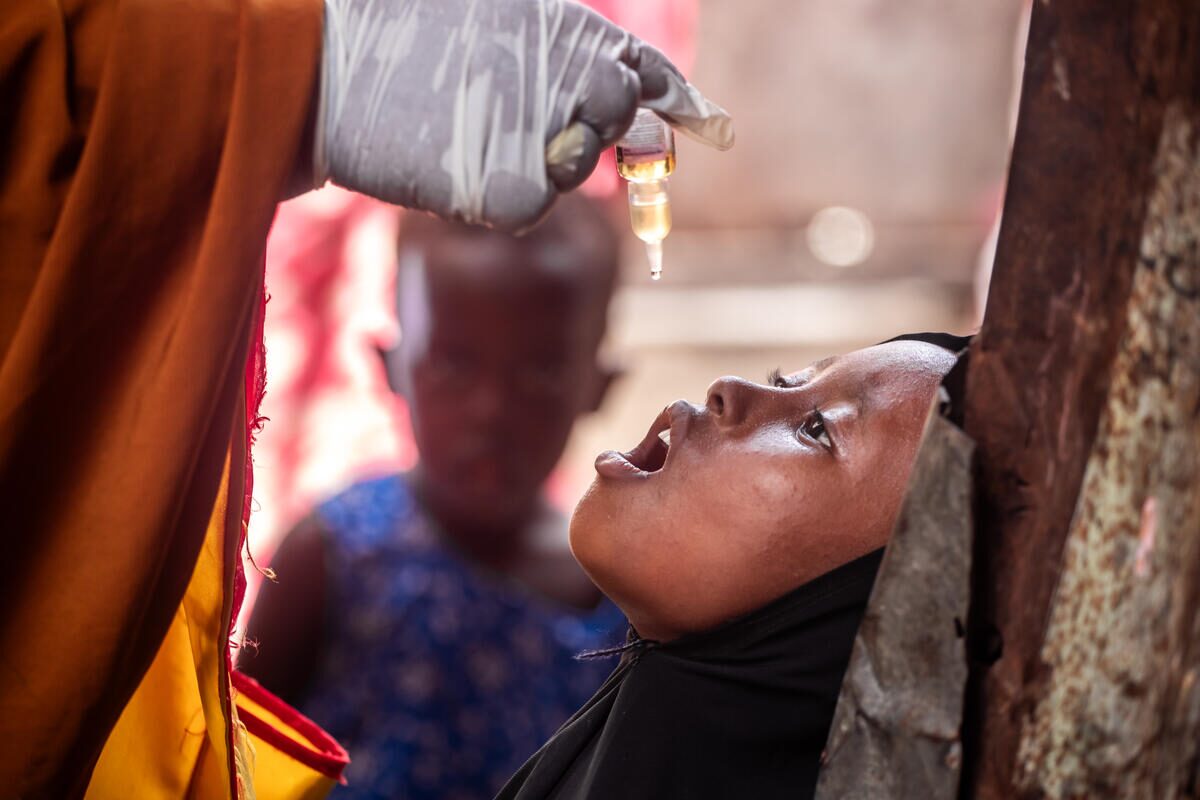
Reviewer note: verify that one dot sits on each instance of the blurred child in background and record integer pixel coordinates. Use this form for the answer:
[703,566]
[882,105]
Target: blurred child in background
[430,620]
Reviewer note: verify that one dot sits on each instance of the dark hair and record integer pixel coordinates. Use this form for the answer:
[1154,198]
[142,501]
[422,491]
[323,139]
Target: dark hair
[576,221]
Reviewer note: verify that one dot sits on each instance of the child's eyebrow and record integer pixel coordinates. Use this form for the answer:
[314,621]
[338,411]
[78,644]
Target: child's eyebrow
[776,376]
[824,363]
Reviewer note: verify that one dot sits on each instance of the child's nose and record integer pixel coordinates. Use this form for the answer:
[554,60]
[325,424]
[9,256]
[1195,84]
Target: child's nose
[729,399]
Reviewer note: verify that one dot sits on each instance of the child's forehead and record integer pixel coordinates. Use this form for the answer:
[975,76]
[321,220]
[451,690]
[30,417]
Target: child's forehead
[519,274]
[874,367]
[896,356]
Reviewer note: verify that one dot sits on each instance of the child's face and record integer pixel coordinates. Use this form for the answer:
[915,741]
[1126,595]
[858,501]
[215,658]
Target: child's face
[763,488]
[498,361]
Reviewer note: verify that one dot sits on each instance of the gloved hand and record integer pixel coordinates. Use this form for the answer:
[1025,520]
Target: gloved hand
[483,110]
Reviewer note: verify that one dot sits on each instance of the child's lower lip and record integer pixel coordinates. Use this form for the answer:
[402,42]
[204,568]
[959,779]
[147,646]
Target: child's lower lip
[611,464]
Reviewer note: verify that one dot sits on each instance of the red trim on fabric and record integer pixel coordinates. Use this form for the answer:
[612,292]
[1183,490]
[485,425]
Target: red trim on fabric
[326,756]
[255,388]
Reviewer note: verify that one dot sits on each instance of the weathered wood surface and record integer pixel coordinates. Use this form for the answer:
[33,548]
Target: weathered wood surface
[896,729]
[1120,709]
[1082,399]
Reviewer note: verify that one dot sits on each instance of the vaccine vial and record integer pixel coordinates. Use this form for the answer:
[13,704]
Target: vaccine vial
[645,157]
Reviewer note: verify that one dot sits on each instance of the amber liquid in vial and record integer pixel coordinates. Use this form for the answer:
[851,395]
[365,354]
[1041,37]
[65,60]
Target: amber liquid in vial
[645,158]
[654,170]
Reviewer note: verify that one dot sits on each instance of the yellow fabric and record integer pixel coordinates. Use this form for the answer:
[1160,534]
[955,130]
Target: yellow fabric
[247,704]
[161,734]
[277,776]
[170,741]
[175,717]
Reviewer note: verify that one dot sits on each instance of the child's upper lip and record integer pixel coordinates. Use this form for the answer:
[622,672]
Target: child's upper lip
[652,455]
[676,418]
[680,413]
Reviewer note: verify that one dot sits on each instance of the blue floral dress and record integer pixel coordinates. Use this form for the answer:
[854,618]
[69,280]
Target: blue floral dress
[440,679]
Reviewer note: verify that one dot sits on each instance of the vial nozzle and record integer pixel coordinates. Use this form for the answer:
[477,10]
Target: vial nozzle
[654,256]
[650,216]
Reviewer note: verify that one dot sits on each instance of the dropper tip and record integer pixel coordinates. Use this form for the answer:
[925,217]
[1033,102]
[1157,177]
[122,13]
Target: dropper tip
[654,253]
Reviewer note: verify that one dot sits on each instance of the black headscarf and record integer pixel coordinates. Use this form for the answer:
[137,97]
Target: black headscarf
[742,710]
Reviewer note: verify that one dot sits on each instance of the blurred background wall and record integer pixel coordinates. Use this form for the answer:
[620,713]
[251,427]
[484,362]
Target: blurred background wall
[896,112]
[868,170]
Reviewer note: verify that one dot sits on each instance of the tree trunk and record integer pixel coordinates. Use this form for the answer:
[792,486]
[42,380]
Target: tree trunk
[1083,397]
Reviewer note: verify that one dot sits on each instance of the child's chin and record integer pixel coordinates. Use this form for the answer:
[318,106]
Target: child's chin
[591,532]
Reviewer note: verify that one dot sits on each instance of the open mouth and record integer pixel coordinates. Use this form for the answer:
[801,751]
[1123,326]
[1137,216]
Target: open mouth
[648,458]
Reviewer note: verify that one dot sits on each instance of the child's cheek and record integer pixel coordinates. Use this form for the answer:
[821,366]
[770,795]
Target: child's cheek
[769,486]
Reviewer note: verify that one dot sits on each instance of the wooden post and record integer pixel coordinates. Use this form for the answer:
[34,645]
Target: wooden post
[1083,397]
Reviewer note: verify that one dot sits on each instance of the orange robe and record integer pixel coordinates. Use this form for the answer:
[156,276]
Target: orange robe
[143,147]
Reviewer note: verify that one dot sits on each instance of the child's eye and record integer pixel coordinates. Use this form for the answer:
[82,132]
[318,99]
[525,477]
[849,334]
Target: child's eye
[814,428]
[775,378]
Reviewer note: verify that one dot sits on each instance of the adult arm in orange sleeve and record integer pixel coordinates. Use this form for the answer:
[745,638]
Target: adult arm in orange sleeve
[143,147]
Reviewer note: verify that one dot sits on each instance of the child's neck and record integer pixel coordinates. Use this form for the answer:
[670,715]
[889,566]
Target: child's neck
[529,547]
[490,540]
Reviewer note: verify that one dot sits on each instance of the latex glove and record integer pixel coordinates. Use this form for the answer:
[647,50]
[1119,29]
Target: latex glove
[483,110]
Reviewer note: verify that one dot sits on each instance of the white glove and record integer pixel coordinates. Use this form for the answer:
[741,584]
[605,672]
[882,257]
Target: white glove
[483,110]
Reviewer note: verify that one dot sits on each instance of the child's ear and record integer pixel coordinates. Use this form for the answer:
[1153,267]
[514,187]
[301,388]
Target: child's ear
[606,374]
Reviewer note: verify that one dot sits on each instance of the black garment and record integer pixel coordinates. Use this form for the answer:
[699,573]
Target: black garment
[741,711]
[948,341]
